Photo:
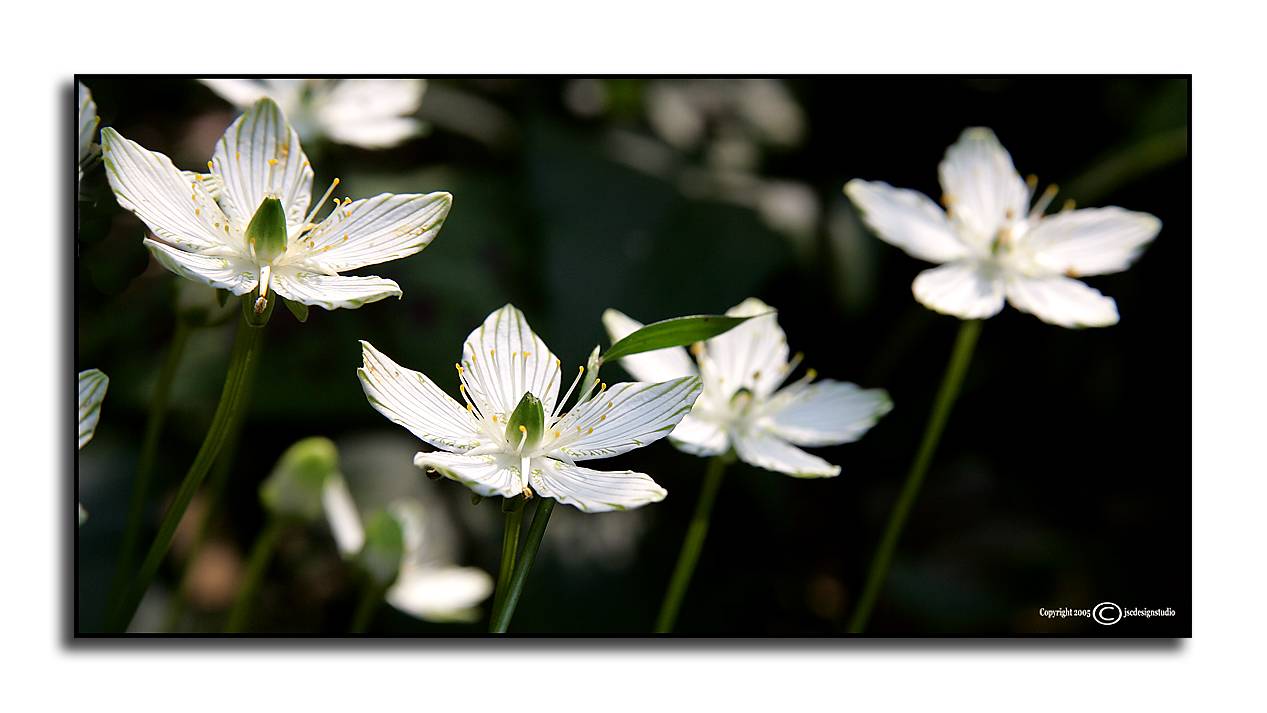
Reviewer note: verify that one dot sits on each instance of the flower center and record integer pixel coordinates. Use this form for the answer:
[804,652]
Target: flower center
[526,424]
[266,233]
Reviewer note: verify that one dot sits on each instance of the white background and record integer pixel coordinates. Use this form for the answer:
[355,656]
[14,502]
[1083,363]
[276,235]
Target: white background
[45,44]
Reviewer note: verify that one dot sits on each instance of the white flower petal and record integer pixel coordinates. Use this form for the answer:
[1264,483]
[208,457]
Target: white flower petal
[374,134]
[440,594]
[87,125]
[768,451]
[331,291]
[1061,301]
[983,190]
[92,391]
[658,365]
[965,289]
[591,490]
[487,475]
[343,517]
[908,220]
[177,209]
[504,359]
[372,230]
[357,100]
[410,399]
[235,275]
[751,356]
[699,436]
[627,416]
[1094,241]
[239,92]
[211,183]
[825,413]
[260,156]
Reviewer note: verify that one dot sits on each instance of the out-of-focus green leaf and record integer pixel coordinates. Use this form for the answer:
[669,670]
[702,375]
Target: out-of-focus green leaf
[675,332]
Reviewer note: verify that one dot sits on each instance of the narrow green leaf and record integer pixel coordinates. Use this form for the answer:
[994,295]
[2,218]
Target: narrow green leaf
[676,332]
[299,309]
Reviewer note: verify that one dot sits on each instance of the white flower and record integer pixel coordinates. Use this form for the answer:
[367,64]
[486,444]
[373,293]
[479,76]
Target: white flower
[426,586]
[742,406]
[88,121]
[247,223]
[369,113]
[511,434]
[994,245]
[92,391]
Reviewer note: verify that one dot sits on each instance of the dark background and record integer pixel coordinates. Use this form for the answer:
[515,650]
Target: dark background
[1062,480]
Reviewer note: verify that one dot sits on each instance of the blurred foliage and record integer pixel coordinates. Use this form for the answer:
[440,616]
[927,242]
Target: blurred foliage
[1062,479]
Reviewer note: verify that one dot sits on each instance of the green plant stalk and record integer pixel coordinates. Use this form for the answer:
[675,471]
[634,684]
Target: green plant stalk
[537,530]
[510,548]
[371,595]
[960,358]
[696,533]
[242,362]
[145,466]
[212,493]
[256,565]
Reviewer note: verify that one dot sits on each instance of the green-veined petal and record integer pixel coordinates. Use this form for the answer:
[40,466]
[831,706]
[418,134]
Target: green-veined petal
[627,416]
[331,291]
[260,156]
[503,358]
[591,490]
[412,400]
[178,209]
[92,391]
[487,475]
[229,273]
[372,230]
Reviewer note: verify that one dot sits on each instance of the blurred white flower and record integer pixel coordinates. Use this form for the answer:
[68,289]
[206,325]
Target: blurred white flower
[742,406]
[427,585]
[511,437]
[92,391]
[369,113]
[995,246]
[246,224]
[88,120]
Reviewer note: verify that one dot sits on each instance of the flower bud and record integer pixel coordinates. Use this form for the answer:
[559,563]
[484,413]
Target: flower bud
[266,232]
[384,548]
[295,486]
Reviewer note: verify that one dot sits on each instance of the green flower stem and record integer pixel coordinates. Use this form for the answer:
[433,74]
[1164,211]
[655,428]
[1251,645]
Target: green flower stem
[537,530]
[256,565]
[965,343]
[145,466]
[371,595]
[246,348]
[691,546]
[510,548]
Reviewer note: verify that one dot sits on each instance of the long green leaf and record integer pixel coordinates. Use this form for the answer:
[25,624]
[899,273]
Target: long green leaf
[676,332]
